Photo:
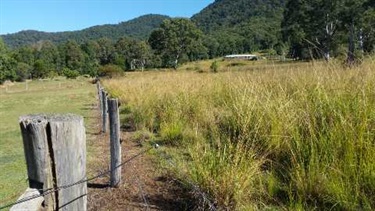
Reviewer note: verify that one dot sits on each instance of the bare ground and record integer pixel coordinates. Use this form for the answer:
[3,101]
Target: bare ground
[143,187]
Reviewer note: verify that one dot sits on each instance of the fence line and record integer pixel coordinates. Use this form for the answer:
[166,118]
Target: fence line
[142,192]
[52,190]
[196,188]
[32,86]
[116,166]
[206,200]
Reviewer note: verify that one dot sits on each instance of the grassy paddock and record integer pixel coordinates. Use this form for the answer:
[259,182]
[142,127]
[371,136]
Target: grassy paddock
[294,136]
[47,96]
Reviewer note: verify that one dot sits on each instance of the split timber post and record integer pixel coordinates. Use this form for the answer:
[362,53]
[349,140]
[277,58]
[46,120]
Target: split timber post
[55,152]
[104,111]
[99,87]
[114,121]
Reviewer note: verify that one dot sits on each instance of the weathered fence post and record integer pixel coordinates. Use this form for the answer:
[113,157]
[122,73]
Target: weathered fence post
[104,111]
[35,143]
[55,151]
[100,98]
[114,122]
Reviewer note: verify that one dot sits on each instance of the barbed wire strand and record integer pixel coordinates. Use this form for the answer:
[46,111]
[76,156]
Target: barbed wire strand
[51,190]
[195,187]
[141,191]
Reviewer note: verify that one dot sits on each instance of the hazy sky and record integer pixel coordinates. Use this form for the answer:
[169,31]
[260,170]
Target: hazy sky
[68,15]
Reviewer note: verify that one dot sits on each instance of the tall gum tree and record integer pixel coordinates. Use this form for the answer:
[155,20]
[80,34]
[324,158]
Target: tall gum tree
[175,38]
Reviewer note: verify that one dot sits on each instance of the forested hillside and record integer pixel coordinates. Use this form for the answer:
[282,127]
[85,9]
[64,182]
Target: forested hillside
[138,28]
[302,30]
[241,26]
[229,13]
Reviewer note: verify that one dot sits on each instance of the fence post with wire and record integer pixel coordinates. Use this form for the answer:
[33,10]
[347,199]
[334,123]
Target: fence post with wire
[55,152]
[100,98]
[114,123]
[104,110]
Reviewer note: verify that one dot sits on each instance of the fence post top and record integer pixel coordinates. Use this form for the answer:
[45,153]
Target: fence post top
[44,118]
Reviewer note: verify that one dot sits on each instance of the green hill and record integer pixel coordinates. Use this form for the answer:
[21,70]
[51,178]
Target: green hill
[139,28]
[230,13]
[241,25]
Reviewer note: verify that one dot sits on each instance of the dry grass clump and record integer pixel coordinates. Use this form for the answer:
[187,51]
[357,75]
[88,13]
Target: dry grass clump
[294,136]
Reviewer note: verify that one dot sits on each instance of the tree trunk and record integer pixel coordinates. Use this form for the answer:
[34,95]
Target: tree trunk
[350,59]
[361,41]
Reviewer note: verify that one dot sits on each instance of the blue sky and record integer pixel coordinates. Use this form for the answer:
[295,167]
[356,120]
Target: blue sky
[68,15]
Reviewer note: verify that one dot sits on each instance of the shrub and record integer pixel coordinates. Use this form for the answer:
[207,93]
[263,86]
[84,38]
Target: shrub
[71,74]
[110,71]
[214,66]
[23,71]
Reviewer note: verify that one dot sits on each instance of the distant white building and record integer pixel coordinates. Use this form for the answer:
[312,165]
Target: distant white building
[242,56]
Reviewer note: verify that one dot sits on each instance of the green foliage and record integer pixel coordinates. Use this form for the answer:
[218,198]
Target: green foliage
[73,55]
[132,54]
[25,55]
[23,71]
[7,68]
[214,66]
[318,26]
[307,29]
[40,69]
[175,39]
[240,26]
[106,51]
[3,47]
[110,70]
[71,74]
[7,64]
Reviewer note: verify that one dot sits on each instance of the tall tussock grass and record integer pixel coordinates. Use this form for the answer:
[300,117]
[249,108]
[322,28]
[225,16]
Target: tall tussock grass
[294,137]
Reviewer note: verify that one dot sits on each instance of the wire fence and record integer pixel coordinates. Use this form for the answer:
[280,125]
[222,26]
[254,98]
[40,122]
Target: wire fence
[196,189]
[164,156]
[52,190]
[142,193]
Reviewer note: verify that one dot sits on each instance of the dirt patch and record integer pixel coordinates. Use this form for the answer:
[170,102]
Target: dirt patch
[143,187]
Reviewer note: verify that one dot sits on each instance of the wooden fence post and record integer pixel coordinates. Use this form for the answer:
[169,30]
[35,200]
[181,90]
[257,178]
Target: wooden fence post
[114,122]
[100,98]
[35,144]
[104,111]
[55,151]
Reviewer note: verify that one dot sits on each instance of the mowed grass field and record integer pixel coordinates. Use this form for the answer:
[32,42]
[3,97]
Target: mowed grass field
[44,96]
[262,135]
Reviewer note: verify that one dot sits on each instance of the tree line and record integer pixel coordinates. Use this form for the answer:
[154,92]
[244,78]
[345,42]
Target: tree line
[320,28]
[176,41]
[301,30]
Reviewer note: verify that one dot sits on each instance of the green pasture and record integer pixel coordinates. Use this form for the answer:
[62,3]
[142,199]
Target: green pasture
[44,96]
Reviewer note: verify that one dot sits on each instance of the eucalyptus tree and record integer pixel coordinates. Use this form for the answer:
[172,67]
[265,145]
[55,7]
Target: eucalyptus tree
[311,26]
[176,38]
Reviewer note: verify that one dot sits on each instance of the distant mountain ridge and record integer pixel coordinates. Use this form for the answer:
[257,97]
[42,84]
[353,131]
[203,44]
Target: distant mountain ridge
[138,28]
[230,13]
[241,26]
[238,25]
